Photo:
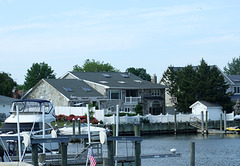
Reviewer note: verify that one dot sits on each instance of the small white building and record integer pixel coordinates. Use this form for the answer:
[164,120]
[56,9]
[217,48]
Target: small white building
[5,106]
[214,110]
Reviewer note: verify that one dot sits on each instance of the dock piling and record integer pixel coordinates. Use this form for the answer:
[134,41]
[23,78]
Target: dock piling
[202,120]
[63,153]
[192,154]
[35,154]
[206,122]
[220,122]
[175,122]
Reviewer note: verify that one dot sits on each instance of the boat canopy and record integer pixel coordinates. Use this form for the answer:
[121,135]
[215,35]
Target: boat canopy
[32,106]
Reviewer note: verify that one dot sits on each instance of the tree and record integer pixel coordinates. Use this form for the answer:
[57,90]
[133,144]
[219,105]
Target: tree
[95,66]
[190,84]
[233,68]
[140,72]
[6,84]
[37,72]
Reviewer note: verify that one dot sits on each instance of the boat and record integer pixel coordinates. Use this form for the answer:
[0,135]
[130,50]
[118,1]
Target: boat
[94,131]
[29,113]
[233,128]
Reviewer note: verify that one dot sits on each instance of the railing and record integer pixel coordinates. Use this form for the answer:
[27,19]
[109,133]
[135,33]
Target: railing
[157,118]
[132,100]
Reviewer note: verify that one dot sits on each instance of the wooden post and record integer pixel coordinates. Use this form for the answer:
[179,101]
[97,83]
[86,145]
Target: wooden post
[73,122]
[192,154]
[137,153]
[42,158]
[175,122]
[63,154]
[202,118]
[136,130]
[79,126]
[225,122]
[206,122]
[110,160]
[35,154]
[114,143]
[221,122]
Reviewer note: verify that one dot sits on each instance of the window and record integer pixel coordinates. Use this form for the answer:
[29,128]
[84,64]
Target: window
[86,89]
[122,82]
[67,89]
[115,94]
[103,82]
[138,81]
[236,89]
[106,75]
[155,92]
[124,75]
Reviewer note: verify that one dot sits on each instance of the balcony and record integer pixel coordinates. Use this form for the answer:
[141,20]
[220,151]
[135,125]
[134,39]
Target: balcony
[132,100]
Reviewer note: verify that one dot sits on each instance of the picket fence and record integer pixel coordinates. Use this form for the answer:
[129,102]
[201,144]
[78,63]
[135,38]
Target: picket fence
[99,114]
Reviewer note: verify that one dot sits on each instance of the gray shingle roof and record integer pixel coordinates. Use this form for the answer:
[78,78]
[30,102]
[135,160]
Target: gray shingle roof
[208,104]
[234,78]
[73,87]
[6,100]
[117,80]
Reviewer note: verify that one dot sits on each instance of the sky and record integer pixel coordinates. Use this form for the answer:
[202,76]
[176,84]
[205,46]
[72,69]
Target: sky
[151,34]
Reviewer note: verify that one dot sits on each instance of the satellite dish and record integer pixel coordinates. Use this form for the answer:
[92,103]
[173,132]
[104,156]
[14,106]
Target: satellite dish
[103,137]
[26,140]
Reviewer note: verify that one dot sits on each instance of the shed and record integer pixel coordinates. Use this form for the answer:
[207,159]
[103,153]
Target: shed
[214,110]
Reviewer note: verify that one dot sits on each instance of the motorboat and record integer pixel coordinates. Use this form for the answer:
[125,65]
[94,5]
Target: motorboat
[233,128]
[34,117]
[94,131]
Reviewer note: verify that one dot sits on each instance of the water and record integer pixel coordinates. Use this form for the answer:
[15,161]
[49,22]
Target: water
[211,150]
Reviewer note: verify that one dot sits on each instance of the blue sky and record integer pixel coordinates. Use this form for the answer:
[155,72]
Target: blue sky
[150,34]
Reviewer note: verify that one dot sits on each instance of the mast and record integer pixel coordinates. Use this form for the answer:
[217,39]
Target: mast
[18,130]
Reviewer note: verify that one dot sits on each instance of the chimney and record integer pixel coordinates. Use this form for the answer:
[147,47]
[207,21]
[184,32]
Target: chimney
[154,79]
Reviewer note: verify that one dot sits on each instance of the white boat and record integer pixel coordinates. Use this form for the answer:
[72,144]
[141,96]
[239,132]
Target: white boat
[30,117]
[94,131]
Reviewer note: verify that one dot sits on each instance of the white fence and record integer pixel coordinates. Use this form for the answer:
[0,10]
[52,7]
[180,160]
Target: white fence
[99,115]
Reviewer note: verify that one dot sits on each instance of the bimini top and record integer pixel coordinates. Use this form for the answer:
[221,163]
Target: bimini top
[32,105]
[32,100]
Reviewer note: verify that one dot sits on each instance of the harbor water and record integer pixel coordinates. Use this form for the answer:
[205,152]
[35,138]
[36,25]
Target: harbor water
[211,150]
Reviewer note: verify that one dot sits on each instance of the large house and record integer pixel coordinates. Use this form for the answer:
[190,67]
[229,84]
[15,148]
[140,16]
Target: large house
[63,92]
[106,90]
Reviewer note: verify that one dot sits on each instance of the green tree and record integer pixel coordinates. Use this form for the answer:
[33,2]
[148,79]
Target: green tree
[37,72]
[140,72]
[6,84]
[190,84]
[233,68]
[139,109]
[95,66]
